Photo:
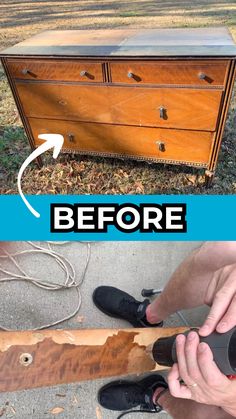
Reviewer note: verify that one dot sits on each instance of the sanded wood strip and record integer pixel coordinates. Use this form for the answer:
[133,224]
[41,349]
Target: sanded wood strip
[32,359]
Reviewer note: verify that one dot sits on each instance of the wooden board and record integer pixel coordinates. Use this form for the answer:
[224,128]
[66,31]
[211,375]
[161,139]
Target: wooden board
[32,359]
[128,42]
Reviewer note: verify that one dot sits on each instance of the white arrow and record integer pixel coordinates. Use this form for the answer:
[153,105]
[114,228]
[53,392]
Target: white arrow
[54,141]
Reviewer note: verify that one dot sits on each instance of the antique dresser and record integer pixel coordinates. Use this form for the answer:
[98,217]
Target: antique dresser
[159,95]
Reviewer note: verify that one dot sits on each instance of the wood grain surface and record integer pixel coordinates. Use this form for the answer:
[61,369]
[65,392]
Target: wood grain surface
[55,70]
[152,94]
[171,72]
[184,108]
[51,357]
[154,72]
[179,145]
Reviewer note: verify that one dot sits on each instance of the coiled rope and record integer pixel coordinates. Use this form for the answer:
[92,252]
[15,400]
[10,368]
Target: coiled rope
[65,265]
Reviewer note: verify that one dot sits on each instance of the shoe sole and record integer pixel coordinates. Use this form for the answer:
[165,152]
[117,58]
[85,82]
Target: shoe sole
[160,380]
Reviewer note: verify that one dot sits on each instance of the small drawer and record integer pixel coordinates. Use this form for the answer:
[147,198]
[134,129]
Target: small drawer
[80,71]
[199,73]
[195,109]
[150,143]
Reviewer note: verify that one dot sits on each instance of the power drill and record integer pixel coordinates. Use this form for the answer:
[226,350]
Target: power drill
[223,346]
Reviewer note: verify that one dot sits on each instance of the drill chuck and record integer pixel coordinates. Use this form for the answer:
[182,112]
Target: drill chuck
[223,347]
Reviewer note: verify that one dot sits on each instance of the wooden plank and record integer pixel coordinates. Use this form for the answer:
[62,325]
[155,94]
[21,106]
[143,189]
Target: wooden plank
[128,42]
[186,108]
[30,359]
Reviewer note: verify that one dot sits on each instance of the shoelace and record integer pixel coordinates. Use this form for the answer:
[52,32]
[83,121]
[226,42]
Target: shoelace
[129,308]
[157,408]
[138,411]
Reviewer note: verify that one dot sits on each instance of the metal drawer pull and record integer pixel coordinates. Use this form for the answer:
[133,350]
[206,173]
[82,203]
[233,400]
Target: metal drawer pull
[161,145]
[85,73]
[133,76]
[25,71]
[71,137]
[162,112]
[202,76]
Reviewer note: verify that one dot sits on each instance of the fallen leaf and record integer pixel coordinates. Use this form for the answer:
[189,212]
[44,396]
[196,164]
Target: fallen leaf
[56,410]
[98,413]
[80,319]
[2,411]
[191,179]
[12,410]
[60,395]
[75,401]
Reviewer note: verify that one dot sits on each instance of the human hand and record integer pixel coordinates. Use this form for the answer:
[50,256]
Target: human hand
[203,381]
[221,296]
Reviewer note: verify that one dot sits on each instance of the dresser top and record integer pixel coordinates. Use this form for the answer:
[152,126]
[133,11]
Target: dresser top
[196,42]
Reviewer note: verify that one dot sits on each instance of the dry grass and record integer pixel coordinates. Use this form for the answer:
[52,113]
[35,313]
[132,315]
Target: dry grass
[74,174]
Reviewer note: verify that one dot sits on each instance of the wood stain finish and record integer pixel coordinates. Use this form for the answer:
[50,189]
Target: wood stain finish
[124,93]
[32,359]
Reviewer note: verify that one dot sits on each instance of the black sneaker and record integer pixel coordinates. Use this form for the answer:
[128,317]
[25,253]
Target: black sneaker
[119,304]
[126,395]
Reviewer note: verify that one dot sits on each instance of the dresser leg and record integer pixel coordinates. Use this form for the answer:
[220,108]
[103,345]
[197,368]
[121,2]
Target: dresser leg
[39,162]
[209,176]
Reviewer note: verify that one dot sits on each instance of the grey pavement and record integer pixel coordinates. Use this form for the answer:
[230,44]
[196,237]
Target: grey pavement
[130,266]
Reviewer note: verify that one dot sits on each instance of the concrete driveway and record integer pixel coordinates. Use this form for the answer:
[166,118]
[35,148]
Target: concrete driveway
[129,266]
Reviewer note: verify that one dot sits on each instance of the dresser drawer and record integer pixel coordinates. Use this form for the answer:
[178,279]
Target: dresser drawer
[154,143]
[201,73]
[81,71]
[157,107]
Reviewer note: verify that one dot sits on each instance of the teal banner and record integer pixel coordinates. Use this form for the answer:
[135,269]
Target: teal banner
[112,217]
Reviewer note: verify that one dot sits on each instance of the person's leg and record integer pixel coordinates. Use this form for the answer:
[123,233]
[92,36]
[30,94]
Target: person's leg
[188,409]
[188,284]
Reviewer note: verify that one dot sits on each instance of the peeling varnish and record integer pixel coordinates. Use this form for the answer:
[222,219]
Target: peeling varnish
[89,337]
[76,337]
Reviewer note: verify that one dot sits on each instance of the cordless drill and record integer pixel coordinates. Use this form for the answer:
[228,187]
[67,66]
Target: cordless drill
[223,347]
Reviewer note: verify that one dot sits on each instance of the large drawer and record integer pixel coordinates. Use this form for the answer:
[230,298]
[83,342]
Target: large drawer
[72,70]
[154,143]
[202,73]
[141,106]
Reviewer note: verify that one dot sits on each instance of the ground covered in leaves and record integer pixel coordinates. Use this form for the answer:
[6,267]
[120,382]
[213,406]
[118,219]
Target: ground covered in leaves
[73,174]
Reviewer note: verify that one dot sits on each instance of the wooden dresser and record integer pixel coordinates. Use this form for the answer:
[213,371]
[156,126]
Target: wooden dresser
[159,95]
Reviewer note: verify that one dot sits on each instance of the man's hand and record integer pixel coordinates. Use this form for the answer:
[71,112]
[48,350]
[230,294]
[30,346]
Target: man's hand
[203,381]
[221,295]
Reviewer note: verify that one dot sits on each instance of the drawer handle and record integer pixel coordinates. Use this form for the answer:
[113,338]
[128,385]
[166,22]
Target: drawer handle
[71,137]
[161,146]
[84,73]
[162,111]
[202,76]
[131,75]
[25,71]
